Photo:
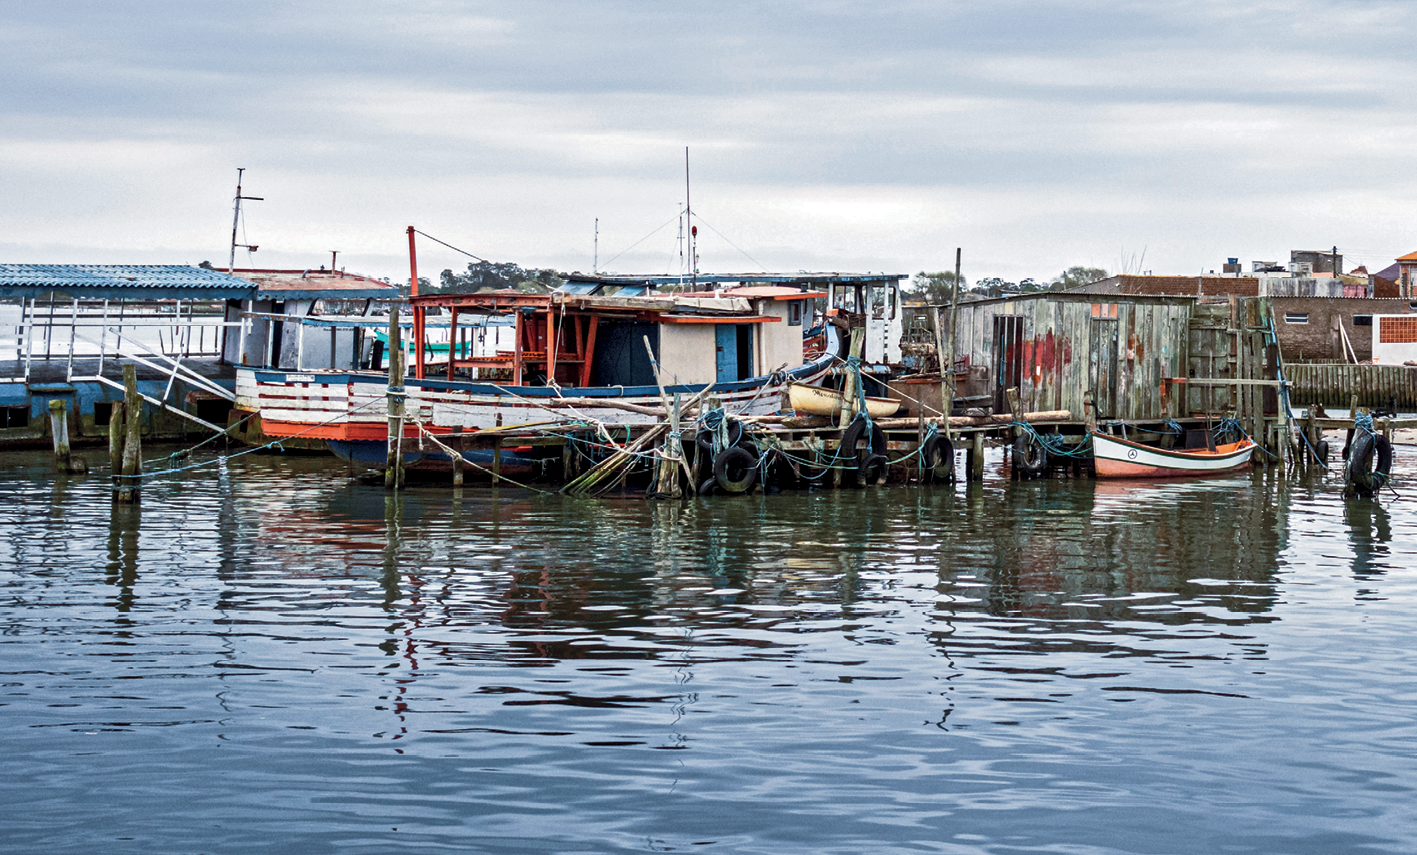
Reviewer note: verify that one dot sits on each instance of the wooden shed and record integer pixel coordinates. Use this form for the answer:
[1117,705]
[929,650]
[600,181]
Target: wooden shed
[1057,347]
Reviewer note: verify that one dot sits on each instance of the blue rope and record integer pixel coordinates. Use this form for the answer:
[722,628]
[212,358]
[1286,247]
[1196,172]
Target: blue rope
[1054,444]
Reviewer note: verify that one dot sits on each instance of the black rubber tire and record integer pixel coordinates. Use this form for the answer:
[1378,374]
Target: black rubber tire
[1363,476]
[855,432]
[1322,450]
[705,436]
[872,471]
[735,470]
[1030,457]
[938,457]
[708,487]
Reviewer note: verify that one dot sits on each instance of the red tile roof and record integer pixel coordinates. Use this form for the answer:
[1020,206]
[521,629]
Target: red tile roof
[1185,286]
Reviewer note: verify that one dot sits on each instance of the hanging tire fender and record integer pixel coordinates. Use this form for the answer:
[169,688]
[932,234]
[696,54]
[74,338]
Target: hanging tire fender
[854,433]
[735,470]
[938,456]
[872,471]
[1029,454]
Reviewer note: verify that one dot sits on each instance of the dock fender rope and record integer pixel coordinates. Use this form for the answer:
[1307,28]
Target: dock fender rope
[1029,454]
[735,470]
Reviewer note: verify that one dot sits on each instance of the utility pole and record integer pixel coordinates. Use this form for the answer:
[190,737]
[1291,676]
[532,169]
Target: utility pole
[236,219]
[1336,271]
[693,229]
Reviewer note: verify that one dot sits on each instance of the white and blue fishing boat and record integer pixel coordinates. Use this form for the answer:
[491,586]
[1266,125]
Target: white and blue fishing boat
[577,356]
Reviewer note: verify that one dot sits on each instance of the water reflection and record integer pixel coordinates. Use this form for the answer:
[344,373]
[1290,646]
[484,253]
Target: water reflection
[125,523]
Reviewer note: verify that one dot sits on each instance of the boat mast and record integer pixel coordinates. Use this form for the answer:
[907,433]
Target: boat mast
[595,259]
[236,219]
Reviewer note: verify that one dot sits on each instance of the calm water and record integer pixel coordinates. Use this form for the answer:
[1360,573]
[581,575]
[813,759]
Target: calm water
[269,657]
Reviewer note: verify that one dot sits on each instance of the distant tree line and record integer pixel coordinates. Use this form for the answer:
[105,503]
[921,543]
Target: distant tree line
[936,288]
[498,276]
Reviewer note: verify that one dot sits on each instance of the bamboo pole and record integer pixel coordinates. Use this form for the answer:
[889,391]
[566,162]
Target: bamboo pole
[393,459]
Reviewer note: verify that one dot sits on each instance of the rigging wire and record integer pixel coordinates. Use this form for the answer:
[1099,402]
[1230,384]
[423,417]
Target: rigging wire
[731,243]
[453,248]
[641,240]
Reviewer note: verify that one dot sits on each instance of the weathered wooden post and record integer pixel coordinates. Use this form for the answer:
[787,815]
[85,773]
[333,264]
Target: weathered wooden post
[115,444]
[457,443]
[497,461]
[848,391]
[976,456]
[128,491]
[393,458]
[59,429]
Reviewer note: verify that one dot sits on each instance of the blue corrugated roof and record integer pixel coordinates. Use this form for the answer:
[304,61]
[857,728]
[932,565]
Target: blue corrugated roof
[132,281]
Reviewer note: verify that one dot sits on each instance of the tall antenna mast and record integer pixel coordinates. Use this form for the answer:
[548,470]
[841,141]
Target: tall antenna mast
[236,218]
[693,230]
[595,260]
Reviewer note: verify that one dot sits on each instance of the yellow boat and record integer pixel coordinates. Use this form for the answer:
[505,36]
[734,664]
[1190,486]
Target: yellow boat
[816,401]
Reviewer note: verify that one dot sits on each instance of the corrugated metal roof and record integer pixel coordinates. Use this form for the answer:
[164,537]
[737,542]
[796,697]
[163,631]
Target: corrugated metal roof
[137,281]
[307,284]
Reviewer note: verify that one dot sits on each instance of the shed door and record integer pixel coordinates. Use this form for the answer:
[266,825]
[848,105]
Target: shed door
[726,352]
[1008,358]
[1102,365]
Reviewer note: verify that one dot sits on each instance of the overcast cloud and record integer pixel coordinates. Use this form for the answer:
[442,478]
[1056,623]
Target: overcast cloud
[823,135]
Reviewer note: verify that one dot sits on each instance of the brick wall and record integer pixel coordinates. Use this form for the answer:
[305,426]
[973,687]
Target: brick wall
[1318,340]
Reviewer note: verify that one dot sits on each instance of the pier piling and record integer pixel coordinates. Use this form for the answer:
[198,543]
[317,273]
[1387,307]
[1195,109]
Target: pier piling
[128,483]
[59,429]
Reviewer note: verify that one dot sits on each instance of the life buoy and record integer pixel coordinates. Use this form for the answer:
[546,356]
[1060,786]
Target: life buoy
[1030,457]
[1363,476]
[735,470]
[938,458]
[872,471]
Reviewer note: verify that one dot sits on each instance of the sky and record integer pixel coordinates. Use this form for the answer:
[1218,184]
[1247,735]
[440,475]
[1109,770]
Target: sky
[823,136]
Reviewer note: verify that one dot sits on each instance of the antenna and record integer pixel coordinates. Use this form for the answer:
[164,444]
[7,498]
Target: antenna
[235,219]
[693,230]
[595,259]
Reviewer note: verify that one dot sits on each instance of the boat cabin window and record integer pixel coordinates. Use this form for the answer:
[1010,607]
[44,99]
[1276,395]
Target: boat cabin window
[794,312]
[1362,320]
[1296,317]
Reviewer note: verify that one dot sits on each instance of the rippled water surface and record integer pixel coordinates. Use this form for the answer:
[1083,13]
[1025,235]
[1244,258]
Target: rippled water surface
[270,657]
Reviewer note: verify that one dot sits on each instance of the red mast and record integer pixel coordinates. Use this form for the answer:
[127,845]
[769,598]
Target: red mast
[417,310]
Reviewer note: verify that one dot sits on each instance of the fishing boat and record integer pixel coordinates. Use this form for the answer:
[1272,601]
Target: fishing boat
[579,356]
[821,401]
[1114,457]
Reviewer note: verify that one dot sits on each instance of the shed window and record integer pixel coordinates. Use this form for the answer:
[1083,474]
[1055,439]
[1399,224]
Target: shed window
[14,417]
[1296,317]
[1104,310]
[1362,320]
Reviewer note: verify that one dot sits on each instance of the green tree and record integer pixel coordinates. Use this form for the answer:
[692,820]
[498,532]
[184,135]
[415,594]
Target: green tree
[935,288]
[1075,277]
[499,276]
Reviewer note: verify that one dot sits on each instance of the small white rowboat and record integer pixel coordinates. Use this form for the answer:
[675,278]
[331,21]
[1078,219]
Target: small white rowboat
[816,401]
[1114,457]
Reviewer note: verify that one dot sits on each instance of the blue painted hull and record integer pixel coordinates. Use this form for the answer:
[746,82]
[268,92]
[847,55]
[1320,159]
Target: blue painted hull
[374,455]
